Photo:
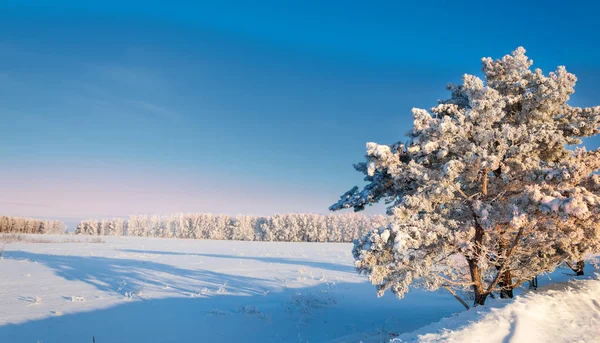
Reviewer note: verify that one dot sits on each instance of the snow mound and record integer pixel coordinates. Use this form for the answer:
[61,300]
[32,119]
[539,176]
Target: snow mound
[565,312]
[562,312]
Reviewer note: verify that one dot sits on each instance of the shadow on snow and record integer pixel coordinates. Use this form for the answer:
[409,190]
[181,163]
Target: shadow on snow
[107,274]
[245,313]
[266,259]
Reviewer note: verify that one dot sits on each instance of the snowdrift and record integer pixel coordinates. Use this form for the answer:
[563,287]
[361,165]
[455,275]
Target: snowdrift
[561,312]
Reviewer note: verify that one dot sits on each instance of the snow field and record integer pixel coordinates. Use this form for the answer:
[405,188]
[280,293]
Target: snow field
[129,289]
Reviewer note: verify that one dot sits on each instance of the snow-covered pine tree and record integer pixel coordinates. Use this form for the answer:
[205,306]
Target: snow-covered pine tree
[488,191]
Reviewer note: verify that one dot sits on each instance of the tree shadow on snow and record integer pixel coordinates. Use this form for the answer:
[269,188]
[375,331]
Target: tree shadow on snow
[313,314]
[126,275]
[243,313]
[266,259]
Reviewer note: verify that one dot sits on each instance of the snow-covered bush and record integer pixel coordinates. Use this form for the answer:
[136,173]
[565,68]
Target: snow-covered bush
[487,192]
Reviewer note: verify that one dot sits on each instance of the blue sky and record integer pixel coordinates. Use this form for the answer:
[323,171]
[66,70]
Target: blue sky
[110,108]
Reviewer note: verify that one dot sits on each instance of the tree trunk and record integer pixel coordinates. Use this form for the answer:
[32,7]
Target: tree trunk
[533,284]
[464,303]
[577,268]
[476,277]
[479,292]
[480,299]
[580,265]
[506,285]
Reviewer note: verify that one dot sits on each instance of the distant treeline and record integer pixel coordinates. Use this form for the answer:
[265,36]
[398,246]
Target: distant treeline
[30,225]
[294,227]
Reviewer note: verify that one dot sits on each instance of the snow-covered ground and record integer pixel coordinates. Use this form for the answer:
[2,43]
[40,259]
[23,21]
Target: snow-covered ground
[145,290]
[559,312]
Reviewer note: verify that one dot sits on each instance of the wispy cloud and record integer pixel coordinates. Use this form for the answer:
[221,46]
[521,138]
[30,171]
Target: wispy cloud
[156,109]
[130,88]
[128,75]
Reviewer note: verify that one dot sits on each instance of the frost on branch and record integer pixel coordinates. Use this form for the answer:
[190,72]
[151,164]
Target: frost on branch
[487,192]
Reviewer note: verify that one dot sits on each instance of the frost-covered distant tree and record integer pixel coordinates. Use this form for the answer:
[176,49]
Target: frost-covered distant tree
[87,227]
[265,232]
[29,225]
[282,229]
[488,191]
[183,226]
[79,229]
[156,226]
[334,234]
[289,227]
[104,227]
[316,228]
[116,227]
[170,227]
[148,228]
[242,228]
[56,227]
[198,227]
[135,226]
[219,228]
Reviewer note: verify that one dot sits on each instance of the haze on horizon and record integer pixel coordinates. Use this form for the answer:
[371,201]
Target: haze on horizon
[114,108]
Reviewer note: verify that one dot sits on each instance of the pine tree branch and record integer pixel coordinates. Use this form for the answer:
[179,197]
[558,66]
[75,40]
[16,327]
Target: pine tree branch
[519,283]
[464,303]
[500,195]
[451,282]
[484,186]
[462,193]
[573,268]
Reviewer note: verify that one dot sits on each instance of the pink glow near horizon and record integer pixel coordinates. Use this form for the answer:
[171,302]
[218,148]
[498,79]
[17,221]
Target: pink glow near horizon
[59,193]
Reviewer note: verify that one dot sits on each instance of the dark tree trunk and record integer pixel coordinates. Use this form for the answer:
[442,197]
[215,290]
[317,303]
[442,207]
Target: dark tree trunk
[533,284]
[479,292]
[580,266]
[480,299]
[506,285]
